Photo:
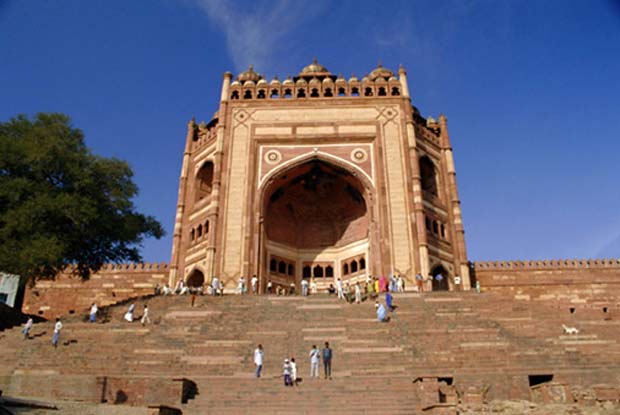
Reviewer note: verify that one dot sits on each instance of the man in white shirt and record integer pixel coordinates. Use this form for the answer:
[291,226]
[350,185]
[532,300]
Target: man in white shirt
[27,327]
[166,290]
[258,359]
[215,286]
[293,372]
[56,336]
[304,287]
[93,313]
[145,316]
[339,289]
[254,282]
[315,357]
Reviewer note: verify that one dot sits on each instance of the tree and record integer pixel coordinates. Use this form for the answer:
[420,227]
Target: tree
[62,206]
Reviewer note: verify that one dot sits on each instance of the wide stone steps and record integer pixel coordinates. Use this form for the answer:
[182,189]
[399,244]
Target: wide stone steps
[445,334]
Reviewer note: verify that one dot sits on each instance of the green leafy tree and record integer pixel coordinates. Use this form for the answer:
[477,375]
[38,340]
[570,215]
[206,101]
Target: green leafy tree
[61,205]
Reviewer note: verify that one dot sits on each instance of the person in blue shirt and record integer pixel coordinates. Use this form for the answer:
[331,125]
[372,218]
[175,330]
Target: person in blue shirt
[388,301]
[381,313]
[327,361]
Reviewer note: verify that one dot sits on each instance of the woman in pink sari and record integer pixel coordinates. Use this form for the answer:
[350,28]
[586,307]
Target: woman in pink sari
[382,284]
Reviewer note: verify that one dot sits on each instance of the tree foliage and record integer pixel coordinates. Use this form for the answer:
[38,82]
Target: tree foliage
[61,205]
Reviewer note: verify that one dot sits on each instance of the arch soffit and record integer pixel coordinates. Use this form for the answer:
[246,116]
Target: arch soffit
[193,269]
[360,174]
[203,163]
[439,265]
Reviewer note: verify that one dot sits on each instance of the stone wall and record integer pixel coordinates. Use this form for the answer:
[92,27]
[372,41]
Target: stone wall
[68,294]
[572,281]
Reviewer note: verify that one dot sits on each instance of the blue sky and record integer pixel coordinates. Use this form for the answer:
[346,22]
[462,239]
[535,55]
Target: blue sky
[531,89]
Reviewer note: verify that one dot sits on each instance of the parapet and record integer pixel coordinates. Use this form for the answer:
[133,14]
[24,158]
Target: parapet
[135,267]
[547,264]
[315,81]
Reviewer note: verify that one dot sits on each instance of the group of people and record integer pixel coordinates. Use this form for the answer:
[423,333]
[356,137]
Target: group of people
[289,368]
[145,314]
[360,291]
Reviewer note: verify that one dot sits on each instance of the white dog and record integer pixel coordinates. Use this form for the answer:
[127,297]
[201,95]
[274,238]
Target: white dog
[570,330]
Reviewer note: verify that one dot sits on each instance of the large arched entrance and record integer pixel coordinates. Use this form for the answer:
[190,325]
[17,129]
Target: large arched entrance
[315,225]
[196,279]
[440,284]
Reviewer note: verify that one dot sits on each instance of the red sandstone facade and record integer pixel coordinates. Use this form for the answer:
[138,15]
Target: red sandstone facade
[318,176]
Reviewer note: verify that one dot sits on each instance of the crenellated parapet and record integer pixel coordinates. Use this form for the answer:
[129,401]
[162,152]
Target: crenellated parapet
[315,81]
[133,266]
[127,267]
[551,264]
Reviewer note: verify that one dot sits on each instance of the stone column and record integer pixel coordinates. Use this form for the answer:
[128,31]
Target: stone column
[458,233]
[178,221]
[402,74]
[422,265]
[210,260]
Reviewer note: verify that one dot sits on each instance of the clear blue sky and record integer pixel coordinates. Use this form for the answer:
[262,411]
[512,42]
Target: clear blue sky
[531,89]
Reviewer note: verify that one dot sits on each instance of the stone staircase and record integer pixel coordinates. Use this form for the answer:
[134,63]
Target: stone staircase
[200,359]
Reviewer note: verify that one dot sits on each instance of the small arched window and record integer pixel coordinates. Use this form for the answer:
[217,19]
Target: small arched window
[428,176]
[288,93]
[329,271]
[314,93]
[204,181]
[274,93]
[443,230]
[395,91]
[382,92]
[362,263]
[328,92]
[301,93]
[342,92]
[261,94]
[355,92]
[234,95]
[435,227]
[247,94]
[206,227]
[291,269]
[353,266]
[318,271]
[345,269]
[368,92]
[273,265]
[282,267]
[199,231]
[192,235]
[427,221]
[307,272]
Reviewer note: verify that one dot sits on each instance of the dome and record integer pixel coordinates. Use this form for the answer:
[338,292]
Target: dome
[353,78]
[249,75]
[381,72]
[261,82]
[288,81]
[275,81]
[314,68]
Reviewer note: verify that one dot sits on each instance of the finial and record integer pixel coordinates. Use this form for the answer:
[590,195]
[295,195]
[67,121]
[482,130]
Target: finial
[276,78]
[379,64]
[314,61]
[288,77]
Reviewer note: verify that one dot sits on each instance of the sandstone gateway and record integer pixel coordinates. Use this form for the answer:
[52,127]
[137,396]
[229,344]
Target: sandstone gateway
[318,176]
